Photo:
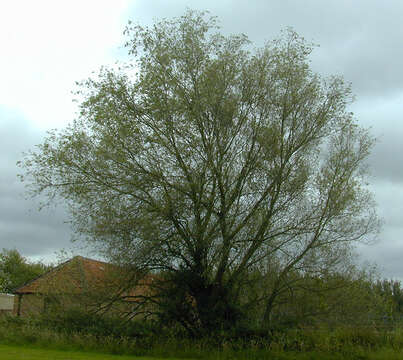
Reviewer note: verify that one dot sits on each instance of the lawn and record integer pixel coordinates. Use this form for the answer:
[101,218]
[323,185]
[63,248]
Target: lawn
[25,353]
[8,352]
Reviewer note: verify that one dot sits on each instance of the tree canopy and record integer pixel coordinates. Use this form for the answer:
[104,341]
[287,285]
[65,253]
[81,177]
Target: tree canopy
[15,270]
[219,166]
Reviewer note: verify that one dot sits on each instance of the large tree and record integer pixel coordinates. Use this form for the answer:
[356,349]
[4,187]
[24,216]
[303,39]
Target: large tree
[215,165]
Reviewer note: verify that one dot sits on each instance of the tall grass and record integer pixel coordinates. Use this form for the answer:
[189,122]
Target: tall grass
[141,339]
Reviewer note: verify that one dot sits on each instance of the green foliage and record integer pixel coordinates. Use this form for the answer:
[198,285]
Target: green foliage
[78,321]
[176,304]
[204,160]
[333,300]
[324,343]
[392,294]
[15,270]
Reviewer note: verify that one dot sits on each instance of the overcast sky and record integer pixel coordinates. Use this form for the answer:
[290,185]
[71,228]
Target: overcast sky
[45,46]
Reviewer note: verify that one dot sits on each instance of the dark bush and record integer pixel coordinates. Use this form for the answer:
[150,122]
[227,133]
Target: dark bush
[78,321]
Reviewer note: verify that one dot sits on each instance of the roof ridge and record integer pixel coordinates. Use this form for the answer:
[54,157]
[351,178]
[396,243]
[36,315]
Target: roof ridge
[16,290]
[95,260]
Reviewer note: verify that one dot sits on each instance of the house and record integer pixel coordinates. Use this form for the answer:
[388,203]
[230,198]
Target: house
[79,282]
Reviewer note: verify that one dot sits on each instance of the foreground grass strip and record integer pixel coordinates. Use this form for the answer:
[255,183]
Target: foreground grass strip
[8,352]
[25,353]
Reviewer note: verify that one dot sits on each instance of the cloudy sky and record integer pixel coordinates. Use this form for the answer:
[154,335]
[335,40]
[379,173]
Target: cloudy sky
[45,46]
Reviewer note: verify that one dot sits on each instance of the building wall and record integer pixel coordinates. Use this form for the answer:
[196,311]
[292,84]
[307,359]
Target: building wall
[34,304]
[6,302]
[31,304]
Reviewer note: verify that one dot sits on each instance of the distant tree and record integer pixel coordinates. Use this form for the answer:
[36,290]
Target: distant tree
[392,292]
[203,160]
[345,298]
[15,270]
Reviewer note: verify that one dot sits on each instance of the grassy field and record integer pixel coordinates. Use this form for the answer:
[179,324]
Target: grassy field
[8,352]
[32,340]
[26,353]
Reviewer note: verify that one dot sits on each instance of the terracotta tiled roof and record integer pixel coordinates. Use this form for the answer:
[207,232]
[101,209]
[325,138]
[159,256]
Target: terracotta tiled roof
[82,275]
[74,276]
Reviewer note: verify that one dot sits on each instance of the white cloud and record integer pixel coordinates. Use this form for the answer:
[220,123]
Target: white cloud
[48,45]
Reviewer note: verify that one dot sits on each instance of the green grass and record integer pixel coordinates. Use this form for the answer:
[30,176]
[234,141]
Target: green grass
[32,340]
[8,352]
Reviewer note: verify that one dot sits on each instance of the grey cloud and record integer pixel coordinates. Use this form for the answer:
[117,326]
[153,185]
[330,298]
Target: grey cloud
[22,226]
[386,160]
[361,40]
[389,198]
[387,253]
[383,117]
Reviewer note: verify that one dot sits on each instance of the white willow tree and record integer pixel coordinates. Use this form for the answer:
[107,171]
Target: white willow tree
[204,160]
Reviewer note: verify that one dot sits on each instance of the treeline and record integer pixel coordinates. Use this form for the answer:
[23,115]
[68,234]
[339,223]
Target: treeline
[334,300]
[16,270]
[391,292]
